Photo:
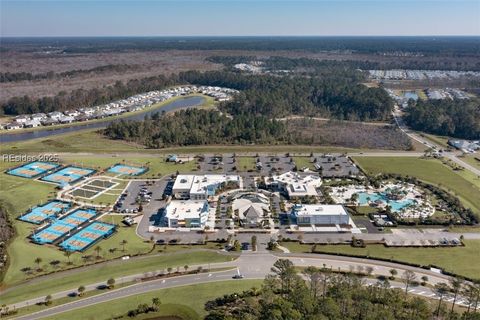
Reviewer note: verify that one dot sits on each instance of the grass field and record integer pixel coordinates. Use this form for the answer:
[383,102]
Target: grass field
[431,171]
[460,260]
[102,272]
[183,300]
[470,159]
[245,163]
[304,162]
[157,165]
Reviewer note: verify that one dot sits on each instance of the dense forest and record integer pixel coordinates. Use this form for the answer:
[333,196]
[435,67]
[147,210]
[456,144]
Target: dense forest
[285,295]
[199,127]
[22,76]
[454,46]
[455,118]
[333,92]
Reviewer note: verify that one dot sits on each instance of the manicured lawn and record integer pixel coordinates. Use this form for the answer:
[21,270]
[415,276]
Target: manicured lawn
[470,159]
[431,171]
[183,300]
[460,260]
[17,195]
[88,140]
[245,163]
[117,268]
[157,165]
[302,162]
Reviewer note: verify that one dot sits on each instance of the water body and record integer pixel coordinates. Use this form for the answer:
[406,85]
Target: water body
[183,103]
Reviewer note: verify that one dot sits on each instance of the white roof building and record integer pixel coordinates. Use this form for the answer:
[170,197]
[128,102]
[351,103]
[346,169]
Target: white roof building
[201,187]
[320,214]
[295,185]
[186,213]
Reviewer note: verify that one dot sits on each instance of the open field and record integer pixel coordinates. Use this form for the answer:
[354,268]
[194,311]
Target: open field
[102,272]
[92,141]
[431,171]
[245,163]
[192,298]
[157,165]
[460,260]
[440,140]
[470,159]
[304,162]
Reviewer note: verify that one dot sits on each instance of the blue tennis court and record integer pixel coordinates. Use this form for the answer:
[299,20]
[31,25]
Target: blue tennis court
[127,170]
[33,169]
[68,175]
[46,211]
[63,226]
[88,236]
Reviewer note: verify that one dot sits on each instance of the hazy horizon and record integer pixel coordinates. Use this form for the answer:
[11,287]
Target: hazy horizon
[233,18]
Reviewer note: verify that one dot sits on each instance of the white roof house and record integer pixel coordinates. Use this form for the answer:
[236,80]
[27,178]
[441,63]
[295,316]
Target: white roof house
[186,213]
[320,214]
[295,185]
[201,187]
[251,208]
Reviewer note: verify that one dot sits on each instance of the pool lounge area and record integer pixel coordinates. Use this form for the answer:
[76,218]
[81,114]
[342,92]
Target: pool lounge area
[126,170]
[365,198]
[33,169]
[68,175]
[88,236]
[44,212]
[63,226]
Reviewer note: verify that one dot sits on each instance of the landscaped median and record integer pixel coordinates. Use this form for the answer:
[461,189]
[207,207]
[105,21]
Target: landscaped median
[183,302]
[463,261]
[102,272]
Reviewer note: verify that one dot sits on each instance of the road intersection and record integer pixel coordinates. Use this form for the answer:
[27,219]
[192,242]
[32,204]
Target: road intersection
[252,265]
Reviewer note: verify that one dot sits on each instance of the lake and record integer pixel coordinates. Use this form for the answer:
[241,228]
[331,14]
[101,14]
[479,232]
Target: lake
[182,103]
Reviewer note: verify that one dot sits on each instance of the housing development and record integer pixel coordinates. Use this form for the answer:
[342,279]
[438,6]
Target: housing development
[231,178]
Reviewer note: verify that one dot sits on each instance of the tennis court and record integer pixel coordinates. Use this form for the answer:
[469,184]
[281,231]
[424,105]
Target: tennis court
[126,170]
[33,169]
[68,175]
[63,226]
[49,210]
[88,236]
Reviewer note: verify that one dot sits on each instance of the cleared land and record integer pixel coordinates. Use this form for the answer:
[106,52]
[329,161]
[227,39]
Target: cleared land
[350,134]
[429,170]
[460,260]
[191,306]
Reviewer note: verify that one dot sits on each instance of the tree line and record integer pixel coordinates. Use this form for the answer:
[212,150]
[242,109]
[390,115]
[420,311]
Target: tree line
[325,294]
[23,76]
[85,98]
[337,93]
[199,127]
[455,118]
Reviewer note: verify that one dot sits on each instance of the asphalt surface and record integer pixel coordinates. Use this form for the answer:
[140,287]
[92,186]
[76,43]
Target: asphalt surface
[252,265]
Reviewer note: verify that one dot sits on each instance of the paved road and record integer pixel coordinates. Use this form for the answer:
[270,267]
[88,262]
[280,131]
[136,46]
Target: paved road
[253,265]
[450,155]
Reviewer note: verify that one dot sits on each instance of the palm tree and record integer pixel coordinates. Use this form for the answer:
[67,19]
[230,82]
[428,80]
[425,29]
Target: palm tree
[81,290]
[440,290]
[68,254]
[38,260]
[156,303]
[393,273]
[123,244]
[97,251]
[455,285]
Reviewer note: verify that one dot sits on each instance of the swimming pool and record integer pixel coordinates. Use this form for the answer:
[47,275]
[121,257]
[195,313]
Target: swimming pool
[88,236]
[33,169]
[396,205]
[63,226]
[127,170]
[68,175]
[46,211]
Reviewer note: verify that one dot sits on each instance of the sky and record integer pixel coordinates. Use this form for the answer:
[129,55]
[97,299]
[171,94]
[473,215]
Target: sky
[236,18]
